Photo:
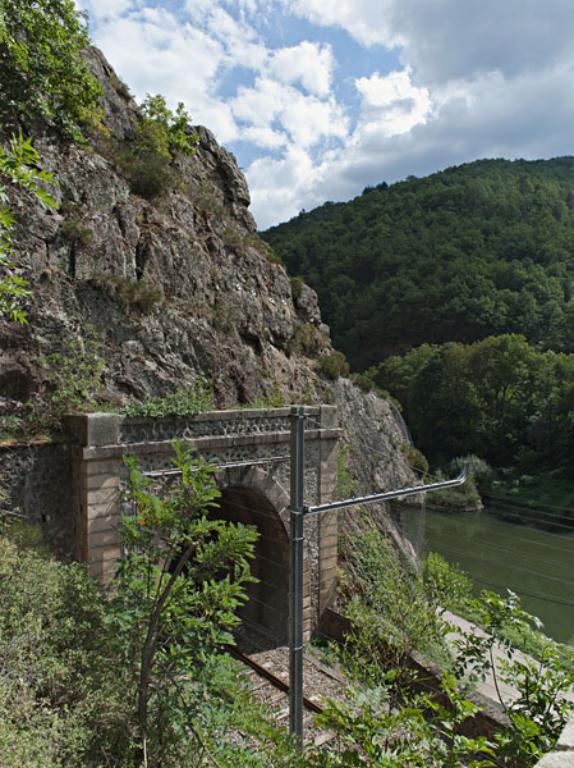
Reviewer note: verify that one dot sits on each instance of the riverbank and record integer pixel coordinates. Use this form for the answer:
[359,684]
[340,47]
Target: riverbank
[539,498]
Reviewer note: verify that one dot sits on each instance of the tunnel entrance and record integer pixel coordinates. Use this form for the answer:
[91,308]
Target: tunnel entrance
[267,609]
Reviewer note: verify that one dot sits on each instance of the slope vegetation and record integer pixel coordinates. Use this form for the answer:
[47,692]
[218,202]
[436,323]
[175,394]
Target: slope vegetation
[477,250]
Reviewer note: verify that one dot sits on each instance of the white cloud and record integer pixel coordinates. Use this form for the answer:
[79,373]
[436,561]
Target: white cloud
[306,119]
[392,104]
[311,64]
[368,21]
[478,78]
[155,52]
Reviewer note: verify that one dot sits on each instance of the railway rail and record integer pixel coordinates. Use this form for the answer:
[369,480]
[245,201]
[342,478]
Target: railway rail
[268,665]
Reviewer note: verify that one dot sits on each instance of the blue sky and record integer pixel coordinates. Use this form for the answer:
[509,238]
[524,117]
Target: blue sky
[320,98]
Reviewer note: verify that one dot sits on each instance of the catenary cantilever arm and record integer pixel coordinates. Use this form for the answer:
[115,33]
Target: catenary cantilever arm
[387,495]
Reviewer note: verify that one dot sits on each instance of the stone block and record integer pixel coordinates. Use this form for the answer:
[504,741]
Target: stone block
[566,740]
[557,760]
[99,523]
[103,509]
[94,429]
[328,417]
[107,538]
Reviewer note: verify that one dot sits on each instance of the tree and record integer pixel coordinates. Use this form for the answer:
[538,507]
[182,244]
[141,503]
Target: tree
[177,591]
[42,72]
[17,167]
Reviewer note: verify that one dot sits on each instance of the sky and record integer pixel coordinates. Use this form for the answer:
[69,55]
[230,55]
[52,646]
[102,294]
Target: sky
[318,99]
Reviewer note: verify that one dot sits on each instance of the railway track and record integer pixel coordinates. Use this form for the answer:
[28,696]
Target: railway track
[268,666]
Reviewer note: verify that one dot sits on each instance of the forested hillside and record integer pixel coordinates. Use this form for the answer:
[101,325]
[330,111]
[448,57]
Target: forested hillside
[477,250]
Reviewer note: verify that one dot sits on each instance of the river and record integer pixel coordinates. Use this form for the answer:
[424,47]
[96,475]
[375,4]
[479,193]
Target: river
[536,563]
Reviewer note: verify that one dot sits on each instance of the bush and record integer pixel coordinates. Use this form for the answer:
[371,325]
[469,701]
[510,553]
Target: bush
[297,285]
[159,136]
[334,365]
[478,468]
[63,696]
[139,294]
[72,381]
[415,458]
[363,381]
[76,232]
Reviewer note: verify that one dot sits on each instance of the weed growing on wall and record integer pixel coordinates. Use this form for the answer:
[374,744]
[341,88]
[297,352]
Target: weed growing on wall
[72,381]
[187,402]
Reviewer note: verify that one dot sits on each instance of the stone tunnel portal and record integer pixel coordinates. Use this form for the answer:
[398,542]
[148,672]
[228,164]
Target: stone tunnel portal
[267,608]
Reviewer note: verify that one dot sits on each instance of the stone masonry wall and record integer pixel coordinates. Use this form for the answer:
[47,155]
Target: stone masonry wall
[101,442]
[35,483]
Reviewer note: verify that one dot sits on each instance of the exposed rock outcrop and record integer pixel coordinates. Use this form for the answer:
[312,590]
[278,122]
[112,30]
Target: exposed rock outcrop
[175,287]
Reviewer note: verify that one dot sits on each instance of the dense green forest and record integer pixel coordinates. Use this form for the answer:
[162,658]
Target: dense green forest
[457,290]
[477,250]
[498,398]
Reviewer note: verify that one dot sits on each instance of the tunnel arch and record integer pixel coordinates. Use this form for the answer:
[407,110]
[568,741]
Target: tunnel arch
[253,497]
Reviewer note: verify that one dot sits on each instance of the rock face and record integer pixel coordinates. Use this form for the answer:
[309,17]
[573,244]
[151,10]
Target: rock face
[175,287]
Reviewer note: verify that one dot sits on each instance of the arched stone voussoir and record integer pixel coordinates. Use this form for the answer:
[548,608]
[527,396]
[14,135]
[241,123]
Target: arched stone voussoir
[260,481]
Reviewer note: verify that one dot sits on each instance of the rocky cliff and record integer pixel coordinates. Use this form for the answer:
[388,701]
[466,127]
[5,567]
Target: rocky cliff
[176,287]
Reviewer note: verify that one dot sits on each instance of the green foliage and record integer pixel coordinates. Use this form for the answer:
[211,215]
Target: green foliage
[76,232]
[274,398]
[345,488]
[334,365]
[421,733]
[186,402]
[390,604]
[416,459]
[42,71]
[364,381]
[499,398]
[297,285]
[62,697]
[466,253]
[17,167]
[162,131]
[540,712]
[72,381]
[178,588]
[77,665]
[446,586]
[397,611]
[463,497]
[308,340]
[139,294]
[146,159]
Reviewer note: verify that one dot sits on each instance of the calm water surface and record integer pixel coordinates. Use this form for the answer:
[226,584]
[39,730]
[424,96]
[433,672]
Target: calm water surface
[537,563]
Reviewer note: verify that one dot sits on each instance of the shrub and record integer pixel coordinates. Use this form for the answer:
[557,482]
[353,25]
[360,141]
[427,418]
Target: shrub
[139,294]
[72,381]
[297,285]
[146,158]
[274,398]
[18,166]
[174,610]
[363,381]
[334,365]
[480,470]
[63,694]
[415,458]
[308,340]
[76,232]
[345,487]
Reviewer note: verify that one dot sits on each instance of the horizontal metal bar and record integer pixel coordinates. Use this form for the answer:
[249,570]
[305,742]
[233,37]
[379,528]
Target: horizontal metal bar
[227,465]
[387,495]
